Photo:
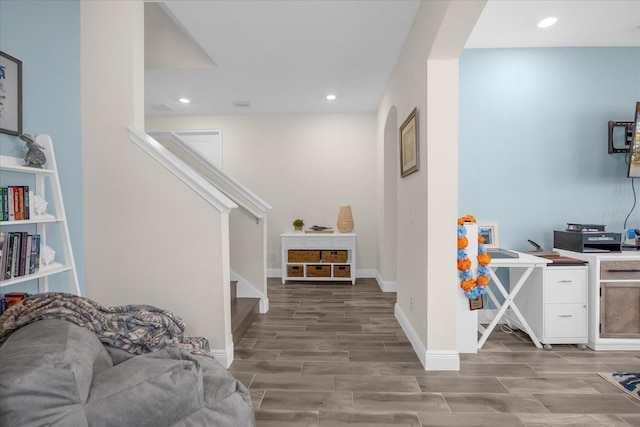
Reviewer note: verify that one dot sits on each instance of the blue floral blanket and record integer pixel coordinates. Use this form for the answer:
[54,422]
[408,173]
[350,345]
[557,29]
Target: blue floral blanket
[136,329]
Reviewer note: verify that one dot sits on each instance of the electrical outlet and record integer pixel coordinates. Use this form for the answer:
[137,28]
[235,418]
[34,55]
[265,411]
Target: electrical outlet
[411,304]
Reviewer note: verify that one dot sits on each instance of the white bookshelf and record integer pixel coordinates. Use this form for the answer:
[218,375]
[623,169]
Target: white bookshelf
[43,179]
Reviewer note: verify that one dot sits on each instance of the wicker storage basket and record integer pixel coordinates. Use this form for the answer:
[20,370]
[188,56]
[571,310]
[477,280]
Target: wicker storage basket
[318,271]
[295,255]
[334,256]
[295,271]
[341,271]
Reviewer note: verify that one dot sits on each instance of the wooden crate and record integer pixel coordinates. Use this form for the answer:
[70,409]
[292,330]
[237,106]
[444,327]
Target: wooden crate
[318,271]
[297,255]
[295,270]
[341,271]
[334,256]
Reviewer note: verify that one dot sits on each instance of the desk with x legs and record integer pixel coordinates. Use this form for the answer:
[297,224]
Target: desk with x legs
[519,271]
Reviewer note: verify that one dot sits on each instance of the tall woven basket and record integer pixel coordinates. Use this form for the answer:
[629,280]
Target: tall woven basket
[345,219]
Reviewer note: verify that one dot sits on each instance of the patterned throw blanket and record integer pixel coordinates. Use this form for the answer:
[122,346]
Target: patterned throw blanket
[136,329]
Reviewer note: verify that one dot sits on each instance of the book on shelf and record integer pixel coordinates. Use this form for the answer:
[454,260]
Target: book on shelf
[2,205]
[13,298]
[14,254]
[20,254]
[18,194]
[25,254]
[10,206]
[3,252]
[15,203]
[34,258]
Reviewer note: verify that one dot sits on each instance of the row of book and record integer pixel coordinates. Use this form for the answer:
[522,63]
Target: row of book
[19,254]
[14,203]
[11,298]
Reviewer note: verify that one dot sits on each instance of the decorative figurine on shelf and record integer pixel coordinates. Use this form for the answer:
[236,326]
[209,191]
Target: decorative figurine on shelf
[39,205]
[35,156]
[47,254]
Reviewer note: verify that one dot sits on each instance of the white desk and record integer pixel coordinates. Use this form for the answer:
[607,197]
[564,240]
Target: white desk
[519,271]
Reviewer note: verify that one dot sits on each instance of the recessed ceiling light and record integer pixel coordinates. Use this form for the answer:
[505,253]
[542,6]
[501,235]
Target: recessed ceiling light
[184,100]
[547,22]
[331,97]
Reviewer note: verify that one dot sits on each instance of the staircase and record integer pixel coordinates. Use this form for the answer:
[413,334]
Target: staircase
[243,313]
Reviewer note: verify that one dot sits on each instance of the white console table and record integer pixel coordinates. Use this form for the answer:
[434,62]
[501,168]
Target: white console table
[519,271]
[332,256]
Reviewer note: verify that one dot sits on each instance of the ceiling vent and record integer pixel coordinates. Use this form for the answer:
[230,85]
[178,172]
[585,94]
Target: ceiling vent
[242,104]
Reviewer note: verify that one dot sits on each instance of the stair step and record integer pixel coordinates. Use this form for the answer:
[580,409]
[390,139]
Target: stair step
[243,313]
[234,290]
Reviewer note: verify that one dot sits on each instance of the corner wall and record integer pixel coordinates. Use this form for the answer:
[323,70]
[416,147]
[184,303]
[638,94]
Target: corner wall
[147,232]
[426,77]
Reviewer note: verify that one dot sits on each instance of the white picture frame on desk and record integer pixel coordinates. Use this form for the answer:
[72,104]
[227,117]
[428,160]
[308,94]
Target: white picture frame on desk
[489,230]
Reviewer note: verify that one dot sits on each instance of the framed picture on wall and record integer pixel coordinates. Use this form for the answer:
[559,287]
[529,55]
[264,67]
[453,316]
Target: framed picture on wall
[10,95]
[490,233]
[409,156]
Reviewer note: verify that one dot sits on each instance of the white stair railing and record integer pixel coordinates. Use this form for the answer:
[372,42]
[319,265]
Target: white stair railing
[261,207]
[203,187]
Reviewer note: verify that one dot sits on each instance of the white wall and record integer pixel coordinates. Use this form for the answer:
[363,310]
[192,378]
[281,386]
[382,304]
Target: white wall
[304,165]
[146,232]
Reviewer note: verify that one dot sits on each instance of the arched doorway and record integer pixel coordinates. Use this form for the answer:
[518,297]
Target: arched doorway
[389,232]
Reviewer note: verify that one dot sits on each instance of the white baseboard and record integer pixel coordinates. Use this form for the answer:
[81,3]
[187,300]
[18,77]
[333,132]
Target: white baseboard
[385,286]
[224,356]
[442,360]
[274,272]
[418,346]
[432,360]
[366,273]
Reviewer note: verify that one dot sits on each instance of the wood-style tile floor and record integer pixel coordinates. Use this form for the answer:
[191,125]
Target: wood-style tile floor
[332,354]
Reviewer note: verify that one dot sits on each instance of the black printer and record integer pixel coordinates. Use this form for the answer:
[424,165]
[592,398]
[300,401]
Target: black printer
[587,241]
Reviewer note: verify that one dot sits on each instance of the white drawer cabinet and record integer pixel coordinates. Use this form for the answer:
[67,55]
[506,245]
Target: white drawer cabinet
[554,302]
[614,299]
[327,257]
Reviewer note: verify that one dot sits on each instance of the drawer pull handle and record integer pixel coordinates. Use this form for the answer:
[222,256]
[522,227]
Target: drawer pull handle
[624,270]
[566,281]
[565,315]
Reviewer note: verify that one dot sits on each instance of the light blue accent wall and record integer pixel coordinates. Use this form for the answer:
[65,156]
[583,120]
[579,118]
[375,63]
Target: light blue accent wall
[533,139]
[45,36]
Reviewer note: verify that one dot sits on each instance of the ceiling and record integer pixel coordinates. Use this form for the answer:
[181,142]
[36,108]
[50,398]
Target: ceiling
[284,57]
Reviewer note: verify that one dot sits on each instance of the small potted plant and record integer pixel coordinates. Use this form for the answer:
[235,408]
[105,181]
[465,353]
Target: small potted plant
[298,224]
